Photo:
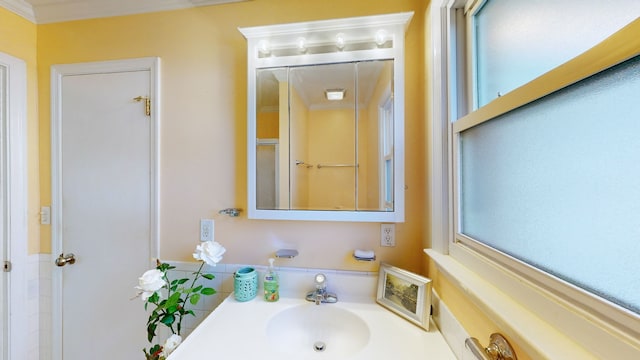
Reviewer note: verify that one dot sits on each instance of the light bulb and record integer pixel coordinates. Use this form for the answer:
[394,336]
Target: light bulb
[263,47]
[340,41]
[381,37]
[301,44]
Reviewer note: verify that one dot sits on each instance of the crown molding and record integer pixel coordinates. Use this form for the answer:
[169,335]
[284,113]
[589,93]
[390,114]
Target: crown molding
[43,12]
[19,7]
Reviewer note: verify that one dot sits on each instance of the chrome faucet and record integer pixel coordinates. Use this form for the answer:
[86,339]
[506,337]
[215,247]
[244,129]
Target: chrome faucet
[320,294]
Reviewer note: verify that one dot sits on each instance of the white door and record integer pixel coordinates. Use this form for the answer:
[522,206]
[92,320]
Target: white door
[14,313]
[3,241]
[104,199]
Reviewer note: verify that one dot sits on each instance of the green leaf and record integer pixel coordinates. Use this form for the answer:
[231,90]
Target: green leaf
[153,317]
[194,299]
[151,331]
[173,300]
[208,291]
[197,288]
[154,298]
[168,320]
[208,276]
[182,281]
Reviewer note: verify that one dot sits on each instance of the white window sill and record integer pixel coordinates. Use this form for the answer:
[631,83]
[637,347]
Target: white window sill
[535,336]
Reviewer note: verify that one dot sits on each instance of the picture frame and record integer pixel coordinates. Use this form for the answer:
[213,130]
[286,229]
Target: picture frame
[405,293]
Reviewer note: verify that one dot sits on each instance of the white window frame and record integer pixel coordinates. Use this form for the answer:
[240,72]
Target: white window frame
[547,317]
[386,146]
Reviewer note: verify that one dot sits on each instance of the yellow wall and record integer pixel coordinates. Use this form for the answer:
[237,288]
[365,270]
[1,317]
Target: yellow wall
[267,125]
[298,150]
[203,166]
[331,141]
[203,126]
[18,38]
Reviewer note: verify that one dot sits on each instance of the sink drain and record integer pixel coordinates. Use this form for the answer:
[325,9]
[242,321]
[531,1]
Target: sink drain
[319,346]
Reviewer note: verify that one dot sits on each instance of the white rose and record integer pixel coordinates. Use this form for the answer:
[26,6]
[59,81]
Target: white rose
[171,344]
[209,252]
[150,282]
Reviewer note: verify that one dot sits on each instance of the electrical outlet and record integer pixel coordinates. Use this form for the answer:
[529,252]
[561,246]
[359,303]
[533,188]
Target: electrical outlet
[206,229]
[387,234]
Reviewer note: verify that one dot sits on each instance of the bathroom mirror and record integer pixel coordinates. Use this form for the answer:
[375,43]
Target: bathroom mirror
[326,120]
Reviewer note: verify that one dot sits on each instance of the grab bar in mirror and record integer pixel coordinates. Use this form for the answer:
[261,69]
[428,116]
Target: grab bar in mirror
[320,166]
[300,162]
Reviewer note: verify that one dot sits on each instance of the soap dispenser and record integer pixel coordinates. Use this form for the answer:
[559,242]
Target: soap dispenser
[270,284]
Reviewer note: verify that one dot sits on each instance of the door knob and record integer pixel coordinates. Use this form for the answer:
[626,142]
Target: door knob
[63,259]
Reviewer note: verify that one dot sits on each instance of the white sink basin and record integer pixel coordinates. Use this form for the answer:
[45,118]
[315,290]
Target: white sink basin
[311,330]
[289,329]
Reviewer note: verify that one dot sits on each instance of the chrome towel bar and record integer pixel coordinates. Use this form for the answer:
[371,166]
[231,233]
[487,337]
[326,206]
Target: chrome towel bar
[320,166]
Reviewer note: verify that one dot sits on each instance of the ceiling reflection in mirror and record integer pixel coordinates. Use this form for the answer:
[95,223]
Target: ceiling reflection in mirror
[325,137]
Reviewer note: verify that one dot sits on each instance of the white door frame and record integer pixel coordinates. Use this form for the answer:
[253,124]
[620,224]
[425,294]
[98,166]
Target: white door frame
[15,144]
[151,64]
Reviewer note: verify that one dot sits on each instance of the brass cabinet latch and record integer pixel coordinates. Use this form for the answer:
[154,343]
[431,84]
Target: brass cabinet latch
[147,103]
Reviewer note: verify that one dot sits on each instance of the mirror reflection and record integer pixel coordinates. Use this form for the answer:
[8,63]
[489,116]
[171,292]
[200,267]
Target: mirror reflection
[325,137]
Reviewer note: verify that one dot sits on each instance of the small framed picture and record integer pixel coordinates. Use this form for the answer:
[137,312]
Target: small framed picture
[405,293]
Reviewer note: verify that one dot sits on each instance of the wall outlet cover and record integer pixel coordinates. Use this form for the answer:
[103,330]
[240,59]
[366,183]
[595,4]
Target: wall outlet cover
[388,235]
[206,230]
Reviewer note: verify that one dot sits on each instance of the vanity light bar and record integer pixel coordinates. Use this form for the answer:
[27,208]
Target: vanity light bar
[303,47]
[327,36]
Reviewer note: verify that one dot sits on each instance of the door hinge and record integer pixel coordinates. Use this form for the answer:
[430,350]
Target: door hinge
[147,103]
[6,266]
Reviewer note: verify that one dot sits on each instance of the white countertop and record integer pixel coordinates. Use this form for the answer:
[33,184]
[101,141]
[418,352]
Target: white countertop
[237,330]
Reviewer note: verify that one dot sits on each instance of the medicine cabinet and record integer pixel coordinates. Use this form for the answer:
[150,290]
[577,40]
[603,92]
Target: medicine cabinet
[326,119]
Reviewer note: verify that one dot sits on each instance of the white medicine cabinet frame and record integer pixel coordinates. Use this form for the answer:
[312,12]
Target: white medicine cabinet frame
[378,38]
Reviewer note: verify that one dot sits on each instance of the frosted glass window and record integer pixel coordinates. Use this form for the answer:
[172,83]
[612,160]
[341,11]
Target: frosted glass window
[556,184]
[519,40]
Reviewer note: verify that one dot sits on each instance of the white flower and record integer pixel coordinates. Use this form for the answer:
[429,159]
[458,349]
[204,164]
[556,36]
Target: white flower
[209,252]
[150,282]
[171,344]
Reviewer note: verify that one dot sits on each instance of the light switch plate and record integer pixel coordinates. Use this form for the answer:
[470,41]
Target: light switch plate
[45,215]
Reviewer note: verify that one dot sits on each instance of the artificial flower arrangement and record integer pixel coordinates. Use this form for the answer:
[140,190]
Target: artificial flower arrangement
[170,298]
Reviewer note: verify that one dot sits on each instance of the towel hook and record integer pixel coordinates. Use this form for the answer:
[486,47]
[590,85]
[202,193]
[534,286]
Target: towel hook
[233,212]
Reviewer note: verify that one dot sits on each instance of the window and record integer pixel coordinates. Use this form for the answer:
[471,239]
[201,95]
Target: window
[386,152]
[555,184]
[483,159]
[515,41]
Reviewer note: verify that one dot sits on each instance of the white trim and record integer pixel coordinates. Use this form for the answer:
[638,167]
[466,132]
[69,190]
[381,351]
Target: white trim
[50,12]
[19,7]
[437,102]
[287,33]
[16,198]
[384,107]
[451,329]
[151,64]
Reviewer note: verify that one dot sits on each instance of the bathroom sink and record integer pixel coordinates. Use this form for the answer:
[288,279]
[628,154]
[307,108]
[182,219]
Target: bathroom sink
[326,331]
